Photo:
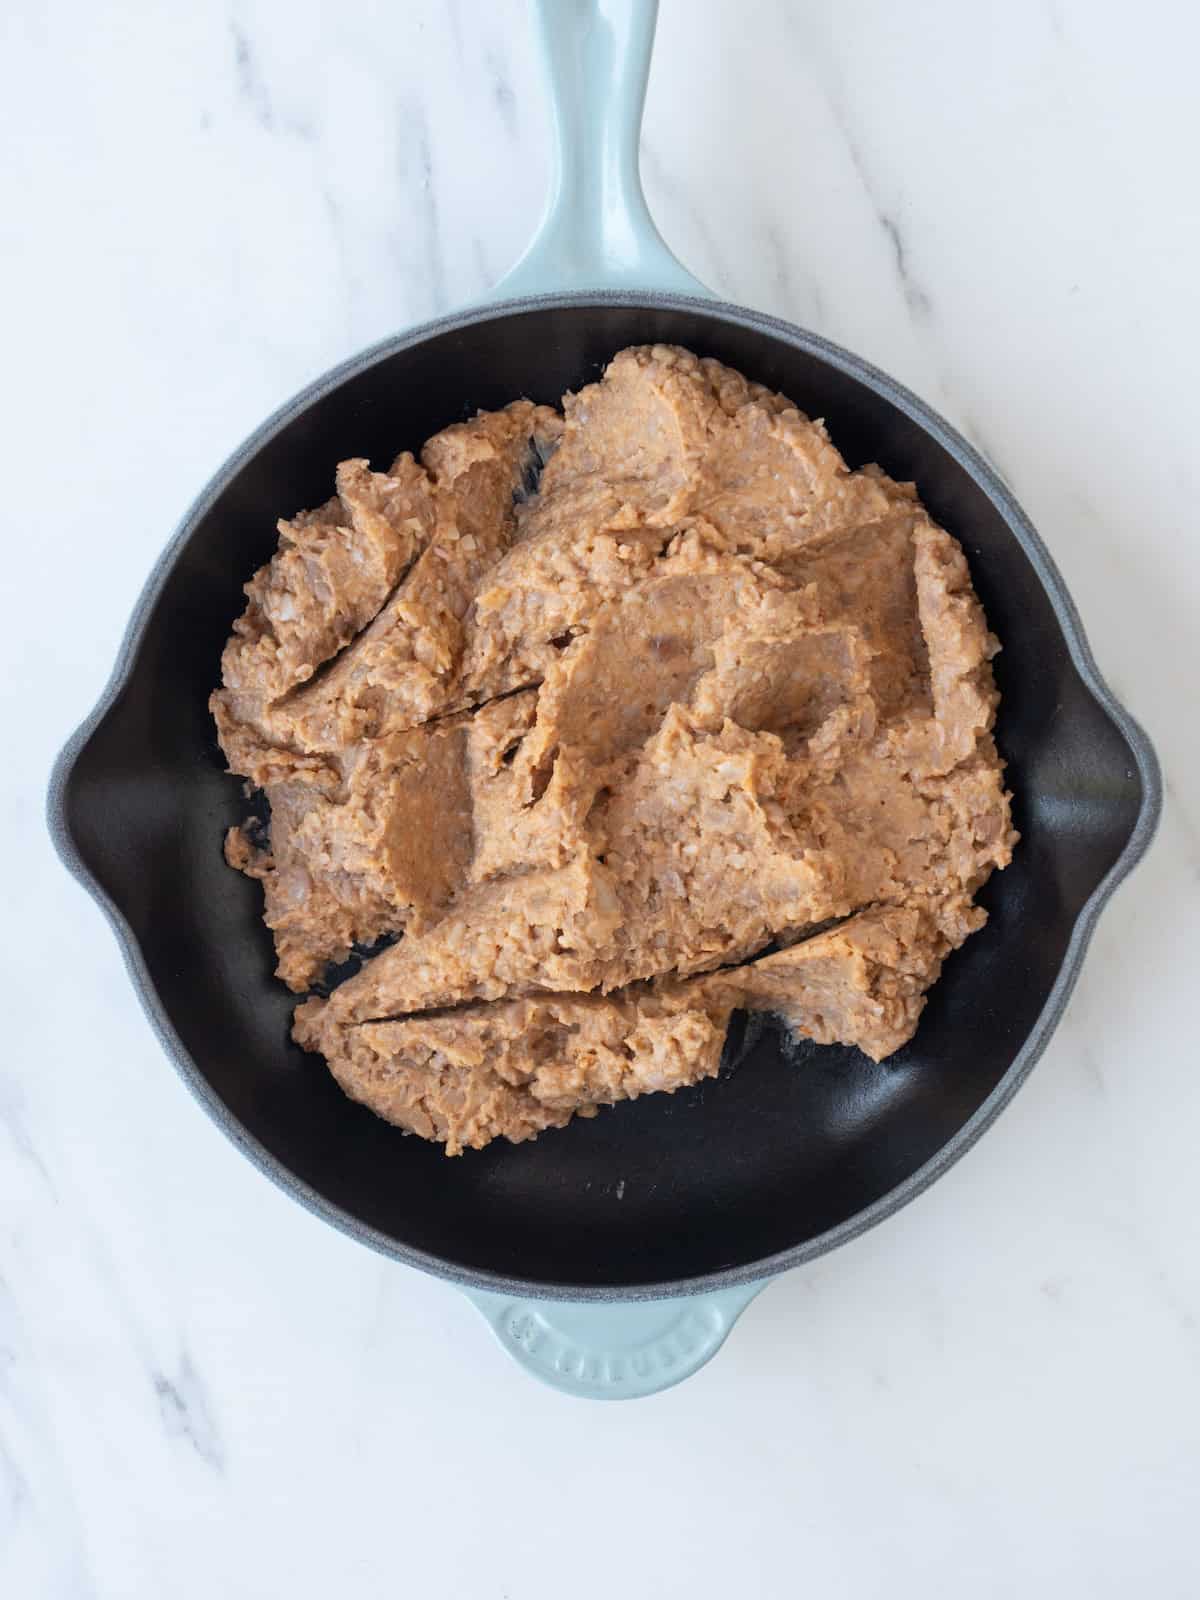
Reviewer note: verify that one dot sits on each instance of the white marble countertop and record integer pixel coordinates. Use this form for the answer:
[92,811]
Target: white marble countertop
[203,1390]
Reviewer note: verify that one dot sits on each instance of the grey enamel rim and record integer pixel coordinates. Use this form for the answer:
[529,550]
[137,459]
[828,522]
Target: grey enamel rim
[1064,608]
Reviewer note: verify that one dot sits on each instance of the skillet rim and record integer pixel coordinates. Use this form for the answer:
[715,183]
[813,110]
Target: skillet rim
[965,456]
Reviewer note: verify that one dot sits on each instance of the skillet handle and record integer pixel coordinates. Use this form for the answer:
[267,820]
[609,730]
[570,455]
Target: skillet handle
[616,1349]
[597,232]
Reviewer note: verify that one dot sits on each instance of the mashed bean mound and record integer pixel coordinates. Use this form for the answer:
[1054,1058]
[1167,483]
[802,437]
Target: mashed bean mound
[622,718]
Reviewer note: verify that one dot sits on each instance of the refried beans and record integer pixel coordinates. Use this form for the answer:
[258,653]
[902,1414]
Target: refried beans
[590,727]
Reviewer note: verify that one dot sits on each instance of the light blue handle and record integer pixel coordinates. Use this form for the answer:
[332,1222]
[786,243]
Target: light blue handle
[615,1349]
[597,232]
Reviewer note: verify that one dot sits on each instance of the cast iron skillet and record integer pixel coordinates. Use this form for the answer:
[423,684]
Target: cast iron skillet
[658,1220]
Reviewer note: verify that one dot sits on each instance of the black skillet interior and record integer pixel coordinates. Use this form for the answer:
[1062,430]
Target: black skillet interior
[788,1143]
